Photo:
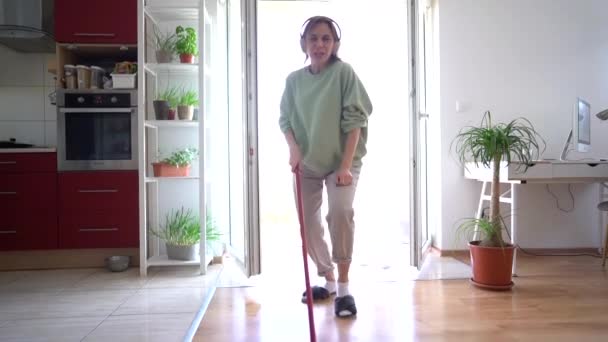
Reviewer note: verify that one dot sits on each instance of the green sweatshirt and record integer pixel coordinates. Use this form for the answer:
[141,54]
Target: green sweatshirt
[321,109]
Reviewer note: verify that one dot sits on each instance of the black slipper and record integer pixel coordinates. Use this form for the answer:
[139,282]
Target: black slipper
[345,306]
[318,293]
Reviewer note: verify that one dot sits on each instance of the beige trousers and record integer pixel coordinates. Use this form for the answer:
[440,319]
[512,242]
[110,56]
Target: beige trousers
[340,217]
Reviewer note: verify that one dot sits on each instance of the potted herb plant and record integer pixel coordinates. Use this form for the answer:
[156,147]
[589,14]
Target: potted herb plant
[177,164]
[181,232]
[164,103]
[495,145]
[165,45]
[186,44]
[186,103]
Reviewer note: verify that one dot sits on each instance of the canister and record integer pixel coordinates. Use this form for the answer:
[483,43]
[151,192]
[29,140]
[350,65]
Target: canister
[84,76]
[96,77]
[69,75]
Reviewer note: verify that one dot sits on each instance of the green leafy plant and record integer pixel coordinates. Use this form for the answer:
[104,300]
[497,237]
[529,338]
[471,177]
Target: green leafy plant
[188,98]
[171,95]
[489,145]
[181,228]
[183,157]
[186,41]
[165,41]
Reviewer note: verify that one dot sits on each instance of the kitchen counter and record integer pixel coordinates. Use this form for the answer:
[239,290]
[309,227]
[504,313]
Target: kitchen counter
[29,150]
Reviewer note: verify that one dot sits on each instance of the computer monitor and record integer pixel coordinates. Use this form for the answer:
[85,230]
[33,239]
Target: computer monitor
[581,127]
[580,133]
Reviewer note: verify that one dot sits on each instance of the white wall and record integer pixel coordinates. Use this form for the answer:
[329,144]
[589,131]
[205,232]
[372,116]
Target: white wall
[26,113]
[523,58]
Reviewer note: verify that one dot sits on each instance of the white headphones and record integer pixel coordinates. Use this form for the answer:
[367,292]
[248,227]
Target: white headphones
[320,19]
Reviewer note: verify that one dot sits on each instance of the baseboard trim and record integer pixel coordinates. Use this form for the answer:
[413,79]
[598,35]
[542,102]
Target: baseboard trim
[62,258]
[450,252]
[540,251]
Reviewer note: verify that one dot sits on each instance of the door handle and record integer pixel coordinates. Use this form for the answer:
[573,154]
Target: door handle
[98,191]
[8,192]
[87,34]
[11,162]
[8,232]
[112,229]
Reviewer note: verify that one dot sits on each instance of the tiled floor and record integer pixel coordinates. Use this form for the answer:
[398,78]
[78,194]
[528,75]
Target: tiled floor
[97,305]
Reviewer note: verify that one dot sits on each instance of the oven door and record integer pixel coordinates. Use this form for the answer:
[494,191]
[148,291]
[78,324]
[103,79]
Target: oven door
[97,139]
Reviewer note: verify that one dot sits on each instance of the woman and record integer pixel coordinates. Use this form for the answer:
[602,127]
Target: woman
[324,113]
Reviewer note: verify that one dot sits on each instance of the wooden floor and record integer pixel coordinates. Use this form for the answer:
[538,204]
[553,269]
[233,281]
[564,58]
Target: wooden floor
[554,299]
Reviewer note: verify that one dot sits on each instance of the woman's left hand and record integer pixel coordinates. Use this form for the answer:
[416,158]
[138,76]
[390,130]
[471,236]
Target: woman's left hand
[344,177]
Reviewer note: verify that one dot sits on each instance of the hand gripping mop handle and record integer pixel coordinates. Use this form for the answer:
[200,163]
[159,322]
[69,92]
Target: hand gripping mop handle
[311,320]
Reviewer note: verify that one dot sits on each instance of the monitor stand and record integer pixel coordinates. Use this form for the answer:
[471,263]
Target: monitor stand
[566,149]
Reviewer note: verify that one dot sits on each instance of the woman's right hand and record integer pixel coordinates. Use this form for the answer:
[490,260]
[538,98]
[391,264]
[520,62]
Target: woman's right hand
[295,157]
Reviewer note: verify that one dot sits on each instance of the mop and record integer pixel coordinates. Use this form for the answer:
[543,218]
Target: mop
[311,320]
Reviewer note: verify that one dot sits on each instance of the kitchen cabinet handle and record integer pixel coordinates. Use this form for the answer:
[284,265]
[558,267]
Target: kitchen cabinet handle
[8,192]
[96,110]
[8,232]
[10,162]
[113,229]
[98,191]
[87,34]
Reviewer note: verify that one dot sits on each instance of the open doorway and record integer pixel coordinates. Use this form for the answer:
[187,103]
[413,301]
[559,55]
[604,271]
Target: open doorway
[382,200]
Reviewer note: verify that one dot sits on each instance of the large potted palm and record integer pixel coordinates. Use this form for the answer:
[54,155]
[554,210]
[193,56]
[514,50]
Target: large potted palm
[495,146]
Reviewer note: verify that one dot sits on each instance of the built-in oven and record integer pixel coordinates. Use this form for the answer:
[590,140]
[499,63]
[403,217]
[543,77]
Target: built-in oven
[97,130]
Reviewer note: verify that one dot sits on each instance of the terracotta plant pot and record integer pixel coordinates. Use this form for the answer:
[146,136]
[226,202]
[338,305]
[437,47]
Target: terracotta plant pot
[492,266]
[168,170]
[186,58]
[185,112]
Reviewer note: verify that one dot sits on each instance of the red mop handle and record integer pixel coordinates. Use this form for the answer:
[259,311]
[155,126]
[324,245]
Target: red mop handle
[311,320]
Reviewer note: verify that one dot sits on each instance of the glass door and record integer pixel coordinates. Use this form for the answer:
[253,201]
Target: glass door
[231,130]
[420,238]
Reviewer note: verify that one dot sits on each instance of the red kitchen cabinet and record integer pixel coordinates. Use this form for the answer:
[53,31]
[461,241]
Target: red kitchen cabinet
[28,201]
[99,229]
[96,21]
[20,163]
[98,209]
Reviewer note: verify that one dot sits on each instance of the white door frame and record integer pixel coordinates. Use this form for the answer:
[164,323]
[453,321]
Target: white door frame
[252,232]
[418,207]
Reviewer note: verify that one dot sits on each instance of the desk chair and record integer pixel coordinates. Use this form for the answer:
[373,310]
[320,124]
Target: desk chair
[603,206]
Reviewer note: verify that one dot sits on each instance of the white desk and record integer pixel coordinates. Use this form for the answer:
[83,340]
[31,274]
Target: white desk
[542,171]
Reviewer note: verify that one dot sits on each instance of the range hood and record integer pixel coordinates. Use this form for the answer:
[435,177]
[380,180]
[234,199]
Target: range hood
[27,25]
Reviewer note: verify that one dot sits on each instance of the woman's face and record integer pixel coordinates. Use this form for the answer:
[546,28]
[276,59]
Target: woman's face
[320,44]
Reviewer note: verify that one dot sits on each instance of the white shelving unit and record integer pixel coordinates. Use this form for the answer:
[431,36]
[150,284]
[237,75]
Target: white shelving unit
[160,194]
[170,123]
[174,68]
